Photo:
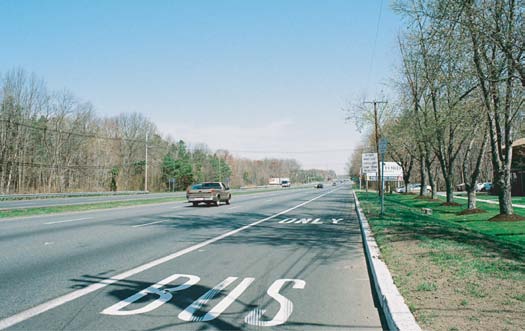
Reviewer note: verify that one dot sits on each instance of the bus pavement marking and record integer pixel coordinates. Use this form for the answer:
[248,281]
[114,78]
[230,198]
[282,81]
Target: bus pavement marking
[53,303]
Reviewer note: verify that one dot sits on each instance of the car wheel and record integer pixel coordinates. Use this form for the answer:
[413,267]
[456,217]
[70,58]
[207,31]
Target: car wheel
[195,204]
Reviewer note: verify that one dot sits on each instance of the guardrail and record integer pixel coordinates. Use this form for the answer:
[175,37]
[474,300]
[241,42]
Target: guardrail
[65,195]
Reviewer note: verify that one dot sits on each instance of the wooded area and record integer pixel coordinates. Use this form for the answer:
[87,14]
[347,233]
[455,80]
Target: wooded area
[50,141]
[461,96]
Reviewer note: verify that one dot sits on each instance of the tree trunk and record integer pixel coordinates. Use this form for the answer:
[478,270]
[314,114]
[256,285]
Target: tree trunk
[471,198]
[504,193]
[449,190]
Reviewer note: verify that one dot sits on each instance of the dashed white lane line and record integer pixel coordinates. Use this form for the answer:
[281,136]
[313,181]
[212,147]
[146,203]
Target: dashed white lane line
[67,221]
[43,307]
[146,224]
[233,207]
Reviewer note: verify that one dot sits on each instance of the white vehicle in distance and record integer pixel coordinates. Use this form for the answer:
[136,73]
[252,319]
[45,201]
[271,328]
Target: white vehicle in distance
[285,183]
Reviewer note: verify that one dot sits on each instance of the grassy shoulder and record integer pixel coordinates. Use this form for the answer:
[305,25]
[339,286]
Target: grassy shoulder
[20,212]
[455,272]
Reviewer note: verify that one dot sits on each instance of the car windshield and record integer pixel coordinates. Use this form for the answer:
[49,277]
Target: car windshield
[216,186]
[196,187]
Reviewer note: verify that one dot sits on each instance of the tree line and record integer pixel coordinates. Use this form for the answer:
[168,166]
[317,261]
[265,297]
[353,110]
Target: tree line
[460,96]
[51,141]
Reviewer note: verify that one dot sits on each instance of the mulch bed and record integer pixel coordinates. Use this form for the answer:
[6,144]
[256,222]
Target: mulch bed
[472,211]
[451,204]
[507,218]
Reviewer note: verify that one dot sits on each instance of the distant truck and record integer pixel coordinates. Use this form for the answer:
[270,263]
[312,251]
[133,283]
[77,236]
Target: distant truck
[208,193]
[283,181]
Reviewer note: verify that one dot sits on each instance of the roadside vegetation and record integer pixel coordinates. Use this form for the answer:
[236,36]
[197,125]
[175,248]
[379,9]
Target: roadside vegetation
[52,142]
[456,272]
[456,117]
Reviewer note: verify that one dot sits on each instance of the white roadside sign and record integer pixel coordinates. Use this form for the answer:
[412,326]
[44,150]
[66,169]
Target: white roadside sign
[369,162]
[392,172]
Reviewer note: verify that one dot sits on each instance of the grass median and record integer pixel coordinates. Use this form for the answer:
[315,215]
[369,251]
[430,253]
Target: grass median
[20,212]
[456,272]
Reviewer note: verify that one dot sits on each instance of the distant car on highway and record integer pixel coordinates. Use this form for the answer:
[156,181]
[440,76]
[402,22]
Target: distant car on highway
[320,185]
[208,193]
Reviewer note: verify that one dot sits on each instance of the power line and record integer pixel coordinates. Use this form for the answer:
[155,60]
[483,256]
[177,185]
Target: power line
[294,152]
[85,135]
[75,166]
[372,58]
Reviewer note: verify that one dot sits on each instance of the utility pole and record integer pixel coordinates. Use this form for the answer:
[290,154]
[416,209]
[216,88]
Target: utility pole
[376,133]
[220,172]
[146,166]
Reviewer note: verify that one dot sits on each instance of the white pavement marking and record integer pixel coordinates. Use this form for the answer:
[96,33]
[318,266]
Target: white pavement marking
[42,308]
[146,224]
[233,207]
[177,207]
[151,223]
[67,221]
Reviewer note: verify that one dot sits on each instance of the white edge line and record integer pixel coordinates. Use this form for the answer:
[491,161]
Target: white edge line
[67,221]
[41,308]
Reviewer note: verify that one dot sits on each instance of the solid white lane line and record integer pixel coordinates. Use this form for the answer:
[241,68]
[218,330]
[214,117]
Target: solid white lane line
[145,224]
[41,308]
[67,221]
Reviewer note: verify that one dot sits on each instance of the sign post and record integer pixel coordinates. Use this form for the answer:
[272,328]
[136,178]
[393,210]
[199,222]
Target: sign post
[382,150]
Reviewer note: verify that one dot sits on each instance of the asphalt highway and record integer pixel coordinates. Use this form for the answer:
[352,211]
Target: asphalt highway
[82,200]
[283,260]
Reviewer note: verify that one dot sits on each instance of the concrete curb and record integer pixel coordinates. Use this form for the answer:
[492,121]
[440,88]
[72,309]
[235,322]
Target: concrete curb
[396,312]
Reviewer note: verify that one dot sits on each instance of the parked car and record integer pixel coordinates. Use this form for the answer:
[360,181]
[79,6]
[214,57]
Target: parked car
[209,193]
[463,187]
[320,185]
[285,183]
[412,188]
[486,187]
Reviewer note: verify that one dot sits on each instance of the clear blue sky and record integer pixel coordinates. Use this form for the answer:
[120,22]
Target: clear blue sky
[242,75]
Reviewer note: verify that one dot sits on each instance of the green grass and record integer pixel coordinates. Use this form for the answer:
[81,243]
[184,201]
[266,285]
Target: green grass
[447,234]
[426,287]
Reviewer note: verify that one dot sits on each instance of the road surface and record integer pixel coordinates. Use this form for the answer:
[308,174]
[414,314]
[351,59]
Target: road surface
[285,260]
